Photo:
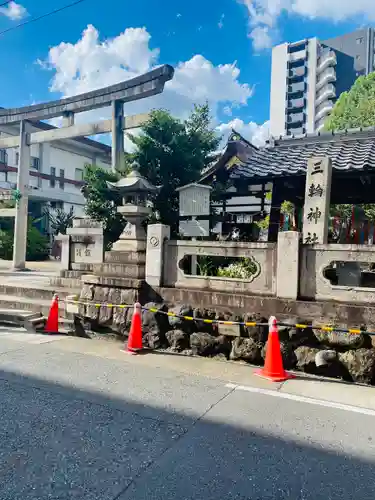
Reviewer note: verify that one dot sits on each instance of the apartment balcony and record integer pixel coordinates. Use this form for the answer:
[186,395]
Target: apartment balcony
[296,63]
[295,131]
[295,119]
[296,89]
[297,74]
[296,104]
[323,110]
[327,92]
[297,46]
[299,55]
[319,125]
[326,60]
[328,76]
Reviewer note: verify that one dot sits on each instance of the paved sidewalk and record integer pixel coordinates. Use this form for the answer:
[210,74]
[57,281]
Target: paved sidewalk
[82,420]
[232,373]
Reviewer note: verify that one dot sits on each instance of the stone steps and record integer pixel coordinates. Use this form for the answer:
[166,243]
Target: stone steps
[72,284]
[34,305]
[39,293]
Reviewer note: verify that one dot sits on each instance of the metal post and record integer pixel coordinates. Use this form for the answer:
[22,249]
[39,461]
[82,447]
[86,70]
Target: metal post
[117,135]
[20,225]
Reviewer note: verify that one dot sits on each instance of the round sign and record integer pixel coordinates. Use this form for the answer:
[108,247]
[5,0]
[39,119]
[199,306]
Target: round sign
[154,241]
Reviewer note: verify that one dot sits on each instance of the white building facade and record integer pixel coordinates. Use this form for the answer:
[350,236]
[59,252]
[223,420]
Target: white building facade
[56,169]
[308,76]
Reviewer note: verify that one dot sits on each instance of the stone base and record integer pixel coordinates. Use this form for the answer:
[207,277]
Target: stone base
[81,267]
[124,257]
[118,270]
[112,281]
[129,245]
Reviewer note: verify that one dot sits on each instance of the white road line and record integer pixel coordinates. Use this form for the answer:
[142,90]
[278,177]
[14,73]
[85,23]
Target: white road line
[302,399]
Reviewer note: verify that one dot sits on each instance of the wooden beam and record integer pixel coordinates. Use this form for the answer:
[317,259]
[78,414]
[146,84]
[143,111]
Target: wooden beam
[73,131]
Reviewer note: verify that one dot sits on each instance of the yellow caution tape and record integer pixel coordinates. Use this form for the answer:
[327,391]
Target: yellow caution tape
[325,328]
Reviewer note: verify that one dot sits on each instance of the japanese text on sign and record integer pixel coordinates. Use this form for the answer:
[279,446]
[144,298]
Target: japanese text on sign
[83,252]
[314,215]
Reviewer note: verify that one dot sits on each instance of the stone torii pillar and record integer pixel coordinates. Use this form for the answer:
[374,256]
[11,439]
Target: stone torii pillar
[20,223]
[118,159]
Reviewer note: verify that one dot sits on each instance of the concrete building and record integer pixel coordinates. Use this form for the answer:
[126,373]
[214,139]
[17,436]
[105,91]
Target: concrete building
[308,76]
[56,168]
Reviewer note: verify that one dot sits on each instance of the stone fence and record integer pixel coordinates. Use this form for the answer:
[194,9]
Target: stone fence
[262,255]
[286,270]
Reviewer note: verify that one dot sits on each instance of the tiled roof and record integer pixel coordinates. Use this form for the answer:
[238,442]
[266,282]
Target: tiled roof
[348,150]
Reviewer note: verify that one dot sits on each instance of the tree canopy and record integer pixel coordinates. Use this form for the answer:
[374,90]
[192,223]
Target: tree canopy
[170,153]
[355,108]
[101,203]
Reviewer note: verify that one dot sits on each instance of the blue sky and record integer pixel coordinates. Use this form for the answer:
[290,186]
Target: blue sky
[222,32]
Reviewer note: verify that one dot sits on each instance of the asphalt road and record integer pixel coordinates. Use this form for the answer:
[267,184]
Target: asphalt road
[78,426]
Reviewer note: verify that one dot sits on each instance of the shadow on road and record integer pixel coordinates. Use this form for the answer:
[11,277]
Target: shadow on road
[58,442]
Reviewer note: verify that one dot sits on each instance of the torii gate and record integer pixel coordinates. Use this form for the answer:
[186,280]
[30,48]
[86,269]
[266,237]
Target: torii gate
[146,85]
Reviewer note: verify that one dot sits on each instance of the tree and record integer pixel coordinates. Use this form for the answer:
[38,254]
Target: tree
[37,247]
[59,220]
[355,108]
[101,203]
[172,153]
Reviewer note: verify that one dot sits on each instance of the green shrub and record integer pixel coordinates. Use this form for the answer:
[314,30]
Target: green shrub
[243,269]
[37,244]
[6,244]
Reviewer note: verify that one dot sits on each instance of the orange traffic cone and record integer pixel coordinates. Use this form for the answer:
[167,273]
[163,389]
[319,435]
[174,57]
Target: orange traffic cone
[273,367]
[52,325]
[135,335]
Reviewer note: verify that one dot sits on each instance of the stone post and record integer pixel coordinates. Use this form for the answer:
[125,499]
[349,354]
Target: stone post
[117,135]
[65,251]
[287,273]
[20,224]
[86,244]
[317,200]
[156,236]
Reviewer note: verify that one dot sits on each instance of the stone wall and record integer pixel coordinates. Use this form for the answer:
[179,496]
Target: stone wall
[308,349]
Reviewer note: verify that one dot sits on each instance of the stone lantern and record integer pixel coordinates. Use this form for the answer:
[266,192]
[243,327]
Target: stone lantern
[135,191]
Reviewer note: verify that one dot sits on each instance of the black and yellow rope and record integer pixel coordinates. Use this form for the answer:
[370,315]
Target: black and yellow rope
[324,328]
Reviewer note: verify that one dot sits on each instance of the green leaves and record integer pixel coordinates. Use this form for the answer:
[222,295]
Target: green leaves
[101,203]
[60,221]
[172,153]
[356,108]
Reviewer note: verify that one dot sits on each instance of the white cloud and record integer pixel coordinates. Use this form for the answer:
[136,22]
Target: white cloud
[14,11]
[256,134]
[264,14]
[91,63]
[262,37]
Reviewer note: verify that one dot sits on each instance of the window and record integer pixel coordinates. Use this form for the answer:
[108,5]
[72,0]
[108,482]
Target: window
[17,159]
[357,57]
[62,175]
[35,163]
[55,205]
[52,181]
[3,156]
[359,41]
[79,174]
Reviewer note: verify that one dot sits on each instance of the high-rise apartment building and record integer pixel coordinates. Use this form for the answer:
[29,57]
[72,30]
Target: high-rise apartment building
[308,76]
